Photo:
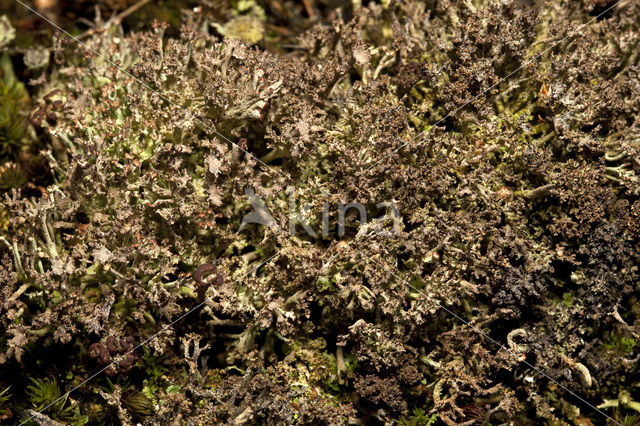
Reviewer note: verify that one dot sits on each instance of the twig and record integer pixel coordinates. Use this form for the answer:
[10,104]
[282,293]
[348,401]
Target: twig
[119,17]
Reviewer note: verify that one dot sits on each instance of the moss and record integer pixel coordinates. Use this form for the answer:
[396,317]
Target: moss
[567,299]
[616,342]
[418,418]
[14,101]
[44,395]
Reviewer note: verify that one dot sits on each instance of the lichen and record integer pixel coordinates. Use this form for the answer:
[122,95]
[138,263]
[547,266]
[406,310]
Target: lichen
[504,134]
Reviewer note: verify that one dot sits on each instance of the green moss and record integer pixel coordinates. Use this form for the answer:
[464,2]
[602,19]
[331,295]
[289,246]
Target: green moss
[618,343]
[5,397]
[14,102]
[138,404]
[44,395]
[418,418]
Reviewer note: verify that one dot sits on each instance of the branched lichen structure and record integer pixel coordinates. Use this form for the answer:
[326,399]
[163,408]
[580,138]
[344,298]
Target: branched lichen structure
[494,147]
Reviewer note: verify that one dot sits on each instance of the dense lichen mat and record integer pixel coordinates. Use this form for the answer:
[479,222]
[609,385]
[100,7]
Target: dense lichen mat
[320,212]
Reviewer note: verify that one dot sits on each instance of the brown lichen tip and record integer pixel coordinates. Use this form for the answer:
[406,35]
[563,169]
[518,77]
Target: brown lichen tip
[126,343]
[205,268]
[94,350]
[99,351]
[126,363]
[112,344]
